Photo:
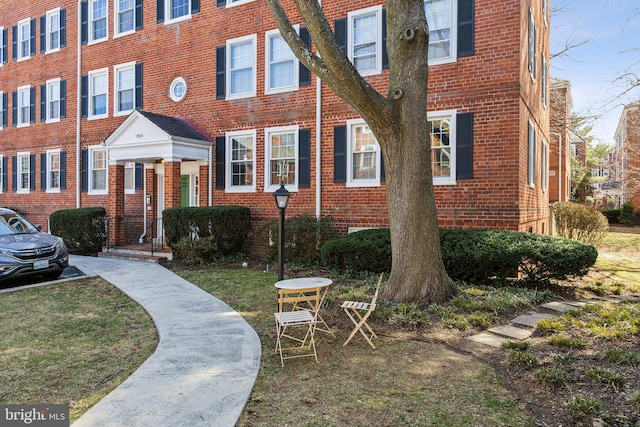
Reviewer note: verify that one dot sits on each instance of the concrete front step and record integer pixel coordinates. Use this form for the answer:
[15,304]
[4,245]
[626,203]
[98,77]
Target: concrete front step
[132,257]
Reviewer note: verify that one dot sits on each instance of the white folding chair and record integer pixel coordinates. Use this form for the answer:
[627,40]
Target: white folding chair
[290,318]
[359,312]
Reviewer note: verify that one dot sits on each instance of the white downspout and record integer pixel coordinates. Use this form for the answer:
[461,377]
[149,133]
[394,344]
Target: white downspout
[210,195]
[79,108]
[318,148]
[560,177]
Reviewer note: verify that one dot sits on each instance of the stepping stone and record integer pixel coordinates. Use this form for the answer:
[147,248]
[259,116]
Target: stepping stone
[608,299]
[511,332]
[557,306]
[487,339]
[530,319]
[576,303]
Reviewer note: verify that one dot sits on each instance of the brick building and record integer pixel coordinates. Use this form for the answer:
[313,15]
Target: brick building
[560,145]
[140,105]
[626,155]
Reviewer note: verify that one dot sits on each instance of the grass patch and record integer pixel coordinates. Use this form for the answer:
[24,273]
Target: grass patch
[568,342]
[582,408]
[71,343]
[611,321]
[522,358]
[606,376]
[623,357]
[551,376]
[550,325]
[516,345]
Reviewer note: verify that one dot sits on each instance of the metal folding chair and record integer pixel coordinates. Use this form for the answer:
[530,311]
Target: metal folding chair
[290,318]
[359,312]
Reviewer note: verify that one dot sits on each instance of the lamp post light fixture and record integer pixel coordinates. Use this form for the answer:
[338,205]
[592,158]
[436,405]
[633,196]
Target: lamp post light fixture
[282,199]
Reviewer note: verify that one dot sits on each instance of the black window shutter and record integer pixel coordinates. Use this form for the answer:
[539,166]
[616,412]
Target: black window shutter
[385,55]
[84,22]
[43,102]
[138,176]
[4,46]
[195,6]
[340,28]
[4,174]
[33,36]
[63,99]
[84,95]
[32,105]
[139,86]
[85,171]
[220,162]
[221,3]
[14,173]
[138,14]
[32,172]
[304,158]
[160,11]
[464,146]
[43,171]
[14,108]
[14,42]
[63,170]
[340,154]
[43,33]
[5,105]
[63,27]
[304,75]
[220,70]
[465,27]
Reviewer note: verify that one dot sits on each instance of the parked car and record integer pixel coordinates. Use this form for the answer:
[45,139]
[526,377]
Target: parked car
[27,251]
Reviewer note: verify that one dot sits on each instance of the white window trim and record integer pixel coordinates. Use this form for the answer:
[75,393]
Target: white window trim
[453,56]
[267,69]
[167,14]
[116,69]
[532,38]
[1,43]
[531,154]
[24,22]
[229,188]
[1,170]
[48,171]
[545,11]
[375,182]
[48,31]
[21,155]
[132,167]
[544,83]
[1,95]
[92,191]
[231,3]
[356,14]
[233,42]
[172,87]
[49,119]
[116,20]
[544,167]
[90,115]
[451,115]
[90,24]
[267,157]
[20,123]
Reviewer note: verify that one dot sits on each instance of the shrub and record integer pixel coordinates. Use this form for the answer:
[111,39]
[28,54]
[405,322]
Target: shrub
[579,222]
[83,230]
[627,214]
[304,236]
[225,227]
[366,250]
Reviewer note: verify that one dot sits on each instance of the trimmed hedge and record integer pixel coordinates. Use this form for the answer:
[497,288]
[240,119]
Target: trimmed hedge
[224,227]
[472,255]
[83,230]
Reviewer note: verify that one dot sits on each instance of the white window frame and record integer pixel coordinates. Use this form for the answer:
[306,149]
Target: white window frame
[129,178]
[50,155]
[453,31]
[233,3]
[532,48]
[50,100]
[531,154]
[117,19]
[176,97]
[351,182]
[268,138]
[545,10]
[25,23]
[450,115]
[544,165]
[53,13]
[269,35]
[228,72]
[92,21]
[167,12]
[351,17]
[1,96]
[117,69]
[545,86]
[2,43]
[229,187]
[91,169]
[1,170]
[22,158]
[92,74]
[21,90]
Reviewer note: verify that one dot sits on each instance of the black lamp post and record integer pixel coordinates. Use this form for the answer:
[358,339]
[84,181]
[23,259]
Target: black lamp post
[282,198]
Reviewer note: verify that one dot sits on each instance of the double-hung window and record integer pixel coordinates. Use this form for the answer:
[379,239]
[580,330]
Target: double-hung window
[23,173]
[363,155]
[532,46]
[282,65]
[53,171]
[53,100]
[177,9]
[230,3]
[241,67]
[2,174]
[241,161]
[441,18]
[98,93]
[24,106]
[365,40]
[98,20]
[281,158]
[125,16]
[125,85]
[129,178]
[442,134]
[98,171]
[3,45]
[24,39]
[52,31]
[544,89]
[544,165]
[531,162]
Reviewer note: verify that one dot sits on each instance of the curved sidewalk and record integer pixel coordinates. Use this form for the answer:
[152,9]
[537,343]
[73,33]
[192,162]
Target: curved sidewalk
[206,362]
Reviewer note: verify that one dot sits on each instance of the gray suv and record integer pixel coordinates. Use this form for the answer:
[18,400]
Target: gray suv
[27,251]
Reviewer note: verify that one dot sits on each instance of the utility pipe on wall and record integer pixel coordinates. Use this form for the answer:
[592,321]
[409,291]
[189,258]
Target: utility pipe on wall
[318,148]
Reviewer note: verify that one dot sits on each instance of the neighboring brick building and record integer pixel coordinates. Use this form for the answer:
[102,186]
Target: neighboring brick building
[626,154]
[139,105]
[560,150]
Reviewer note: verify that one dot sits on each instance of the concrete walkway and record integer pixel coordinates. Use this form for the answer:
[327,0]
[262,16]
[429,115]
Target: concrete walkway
[206,362]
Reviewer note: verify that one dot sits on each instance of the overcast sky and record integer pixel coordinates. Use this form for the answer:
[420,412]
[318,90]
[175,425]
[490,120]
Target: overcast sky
[612,31]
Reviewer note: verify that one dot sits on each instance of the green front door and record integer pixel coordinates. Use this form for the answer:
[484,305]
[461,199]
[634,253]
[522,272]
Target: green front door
[184,190]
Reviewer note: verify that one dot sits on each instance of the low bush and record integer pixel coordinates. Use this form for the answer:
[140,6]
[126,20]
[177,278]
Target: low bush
[304,236]
[579,222]
[471,255]
[623,215]
[221,229]
[83,230]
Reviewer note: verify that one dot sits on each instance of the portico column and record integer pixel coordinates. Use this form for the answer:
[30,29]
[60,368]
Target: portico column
[115,206]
